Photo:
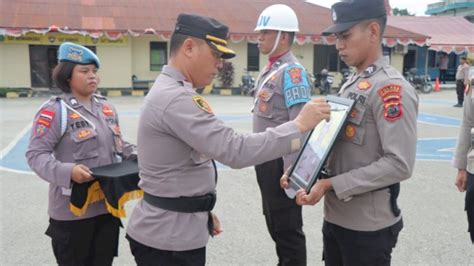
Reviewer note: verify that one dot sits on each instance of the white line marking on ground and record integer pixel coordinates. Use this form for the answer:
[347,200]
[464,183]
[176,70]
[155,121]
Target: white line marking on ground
[12,144]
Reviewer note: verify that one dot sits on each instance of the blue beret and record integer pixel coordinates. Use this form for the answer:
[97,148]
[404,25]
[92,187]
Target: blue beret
[78,54]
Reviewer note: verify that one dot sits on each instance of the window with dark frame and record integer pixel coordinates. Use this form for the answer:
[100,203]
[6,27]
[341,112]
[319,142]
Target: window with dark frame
[327,57]
[253,57]
[158,55]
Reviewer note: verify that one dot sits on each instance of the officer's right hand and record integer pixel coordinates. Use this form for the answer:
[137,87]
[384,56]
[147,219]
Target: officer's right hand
[312,113]
[461,180]
[81,173]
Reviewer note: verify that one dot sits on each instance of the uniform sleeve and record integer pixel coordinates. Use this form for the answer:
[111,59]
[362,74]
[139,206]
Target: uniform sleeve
[466,76]
[45,135]
[464,140]
[128,149]
[295,109]
[296,87]
[394,106]
[200,129]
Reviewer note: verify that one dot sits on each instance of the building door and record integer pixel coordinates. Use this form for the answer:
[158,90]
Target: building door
[43,59]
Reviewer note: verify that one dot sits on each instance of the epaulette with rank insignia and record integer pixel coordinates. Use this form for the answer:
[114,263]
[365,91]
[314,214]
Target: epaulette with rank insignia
[392,72]
[98,96]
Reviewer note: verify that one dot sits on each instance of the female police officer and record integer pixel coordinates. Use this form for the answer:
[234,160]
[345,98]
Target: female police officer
[464,158]
[68,133]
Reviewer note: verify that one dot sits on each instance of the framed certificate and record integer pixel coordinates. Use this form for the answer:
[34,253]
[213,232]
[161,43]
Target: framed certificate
[317,146]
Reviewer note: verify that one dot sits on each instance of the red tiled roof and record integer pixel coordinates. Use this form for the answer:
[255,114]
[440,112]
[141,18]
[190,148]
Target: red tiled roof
[447,33]
[160,15]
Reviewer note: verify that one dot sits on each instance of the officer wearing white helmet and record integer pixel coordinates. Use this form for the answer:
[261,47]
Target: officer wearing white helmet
[281,90]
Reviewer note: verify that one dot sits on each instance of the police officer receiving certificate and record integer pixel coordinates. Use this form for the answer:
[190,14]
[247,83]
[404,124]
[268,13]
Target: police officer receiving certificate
[179,135]
[281,91]
[376,150]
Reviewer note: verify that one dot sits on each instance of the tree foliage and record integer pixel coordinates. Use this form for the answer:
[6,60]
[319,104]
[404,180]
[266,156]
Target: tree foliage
[226,74]
[401,12]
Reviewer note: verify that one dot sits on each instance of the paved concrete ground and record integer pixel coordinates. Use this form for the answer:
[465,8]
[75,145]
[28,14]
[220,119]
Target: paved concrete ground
[435,223]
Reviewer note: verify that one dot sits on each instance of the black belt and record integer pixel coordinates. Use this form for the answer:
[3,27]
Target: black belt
[183,204]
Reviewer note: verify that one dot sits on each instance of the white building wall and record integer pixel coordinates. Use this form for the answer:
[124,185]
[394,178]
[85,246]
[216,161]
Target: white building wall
[14,66]
[116,66]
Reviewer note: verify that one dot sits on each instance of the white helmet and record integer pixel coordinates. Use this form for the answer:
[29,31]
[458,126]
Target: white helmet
[278,17]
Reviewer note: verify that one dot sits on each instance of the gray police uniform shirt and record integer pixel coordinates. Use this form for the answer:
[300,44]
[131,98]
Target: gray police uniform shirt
[177,136]
[52,155]
[462,73]
[464,155]
[280,93]
[376,149]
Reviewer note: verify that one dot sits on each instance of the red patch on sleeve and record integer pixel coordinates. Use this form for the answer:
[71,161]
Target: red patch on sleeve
[43,122]
[295,75]
[392,102]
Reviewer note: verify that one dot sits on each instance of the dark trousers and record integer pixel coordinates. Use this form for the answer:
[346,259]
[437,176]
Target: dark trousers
[148,256]
[92,241]
[282,215]
[460,91]
[355,248]
[442,75]
[469,204]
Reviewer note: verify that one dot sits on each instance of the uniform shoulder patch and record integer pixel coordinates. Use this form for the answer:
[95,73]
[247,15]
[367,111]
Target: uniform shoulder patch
[296,88]
[392,102]
[43,121]
[202,103]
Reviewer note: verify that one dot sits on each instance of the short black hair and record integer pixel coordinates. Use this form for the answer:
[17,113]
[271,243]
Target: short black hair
[382,21]
[62,74]
[177,40]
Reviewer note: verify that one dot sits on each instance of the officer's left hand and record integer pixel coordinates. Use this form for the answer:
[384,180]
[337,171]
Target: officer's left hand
[284,180]
[217,225]
[315,195]
[461,180]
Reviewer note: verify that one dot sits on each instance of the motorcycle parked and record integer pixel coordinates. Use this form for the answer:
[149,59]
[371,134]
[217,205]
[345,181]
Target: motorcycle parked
[345,72]
[248,84]
[419,82]
[324,82]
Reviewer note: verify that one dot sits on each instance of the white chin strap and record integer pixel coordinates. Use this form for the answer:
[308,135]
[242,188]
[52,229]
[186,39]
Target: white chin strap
[277,40]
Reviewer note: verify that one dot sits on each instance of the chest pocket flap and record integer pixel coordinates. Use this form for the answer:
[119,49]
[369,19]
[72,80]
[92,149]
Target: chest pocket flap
[354,130]
[86,143]
[263,102]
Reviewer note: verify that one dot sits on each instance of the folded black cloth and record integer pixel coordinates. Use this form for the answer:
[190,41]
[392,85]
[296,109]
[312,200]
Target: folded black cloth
[117,183]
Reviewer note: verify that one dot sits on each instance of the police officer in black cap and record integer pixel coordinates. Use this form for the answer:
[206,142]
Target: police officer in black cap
[376,150]
[179,135]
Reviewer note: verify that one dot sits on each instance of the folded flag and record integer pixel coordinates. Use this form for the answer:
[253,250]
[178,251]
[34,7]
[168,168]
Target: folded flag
[116,183]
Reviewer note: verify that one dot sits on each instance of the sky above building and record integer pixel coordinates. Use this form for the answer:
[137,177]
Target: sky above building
[417,7]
